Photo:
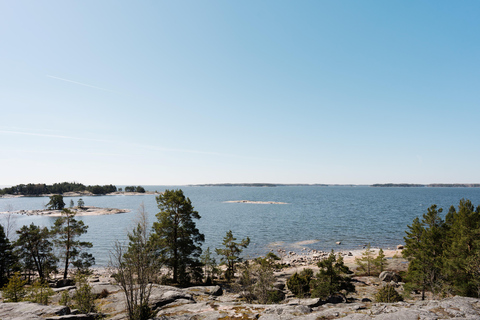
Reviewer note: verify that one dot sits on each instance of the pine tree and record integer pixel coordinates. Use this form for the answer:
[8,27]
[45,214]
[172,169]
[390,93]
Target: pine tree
[56,202]
[366,262]
[35,250]
[231,252]
[332,278]
[176,236]
[66,231]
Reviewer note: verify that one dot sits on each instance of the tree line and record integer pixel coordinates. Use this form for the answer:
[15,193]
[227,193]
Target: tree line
[444,254]
[56,188]
[33,252]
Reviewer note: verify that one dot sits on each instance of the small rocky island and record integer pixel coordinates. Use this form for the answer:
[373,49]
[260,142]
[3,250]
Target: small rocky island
[255,202]
[84,211]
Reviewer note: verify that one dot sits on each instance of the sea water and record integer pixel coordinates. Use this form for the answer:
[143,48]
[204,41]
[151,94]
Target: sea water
[313,217]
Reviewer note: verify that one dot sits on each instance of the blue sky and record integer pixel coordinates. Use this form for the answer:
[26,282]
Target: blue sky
[187,92]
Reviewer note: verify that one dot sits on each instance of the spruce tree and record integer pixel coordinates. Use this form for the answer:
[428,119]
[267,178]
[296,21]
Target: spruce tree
[424,249]
[176,236]
[380,261]
[463,244]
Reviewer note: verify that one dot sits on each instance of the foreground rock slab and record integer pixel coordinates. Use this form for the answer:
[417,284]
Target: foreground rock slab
[30,310]
[452,308]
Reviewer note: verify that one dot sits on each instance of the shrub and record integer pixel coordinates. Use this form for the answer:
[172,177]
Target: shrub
[332,278]
[83,298]
[14,290]
[299,283]
[40,292]
[65,299]
[388,294]
[103,294]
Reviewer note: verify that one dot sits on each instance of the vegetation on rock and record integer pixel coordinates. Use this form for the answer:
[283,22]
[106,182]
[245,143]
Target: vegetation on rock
[135,268]
[332,278]
[388,294]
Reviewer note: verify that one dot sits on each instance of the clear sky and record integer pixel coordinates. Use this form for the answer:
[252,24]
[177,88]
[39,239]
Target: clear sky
[187,92]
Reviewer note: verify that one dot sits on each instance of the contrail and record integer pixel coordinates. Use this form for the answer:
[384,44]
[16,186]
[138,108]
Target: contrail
[82,84]
[135,145]
[50,136]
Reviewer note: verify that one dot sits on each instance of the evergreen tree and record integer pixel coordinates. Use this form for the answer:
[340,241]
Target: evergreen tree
[35,250]
[424,250]
[56,202]
[209,265]
[66,231]
[14,290]
[176,236]
[299,283]
[231,253]
[332,278]
[7,258]
[380,261]
[366,262]
[463,243]
[265,280]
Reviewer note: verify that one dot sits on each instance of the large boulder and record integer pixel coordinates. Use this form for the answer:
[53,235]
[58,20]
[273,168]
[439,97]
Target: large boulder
[163,295]
[336,298]
[205,290]
[389,276]
[64,283]
[30,311]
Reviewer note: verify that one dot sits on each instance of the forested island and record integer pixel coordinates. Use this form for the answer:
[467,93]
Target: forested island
[41,189]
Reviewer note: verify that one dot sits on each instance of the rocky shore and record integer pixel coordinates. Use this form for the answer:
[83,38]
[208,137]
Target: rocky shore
[221,302]
[84,211]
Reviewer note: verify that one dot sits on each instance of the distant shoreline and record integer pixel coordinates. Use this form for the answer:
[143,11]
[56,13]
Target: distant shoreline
[377,185]
[255,202]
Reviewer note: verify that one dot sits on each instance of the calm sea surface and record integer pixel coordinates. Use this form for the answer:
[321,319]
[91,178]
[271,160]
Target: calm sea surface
[314,217]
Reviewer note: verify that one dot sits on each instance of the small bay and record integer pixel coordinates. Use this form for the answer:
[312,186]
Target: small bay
[293,218]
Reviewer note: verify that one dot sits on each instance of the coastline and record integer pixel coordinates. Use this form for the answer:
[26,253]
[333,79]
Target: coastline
[85,211]
[309,257]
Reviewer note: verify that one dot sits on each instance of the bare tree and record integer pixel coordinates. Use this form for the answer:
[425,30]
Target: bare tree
[9,221]
[134,267]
